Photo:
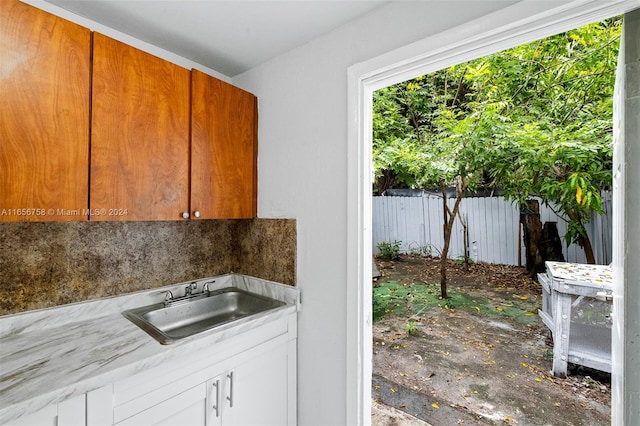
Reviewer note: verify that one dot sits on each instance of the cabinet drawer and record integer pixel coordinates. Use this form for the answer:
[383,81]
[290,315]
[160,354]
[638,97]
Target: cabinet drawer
[186,408]
[163,394]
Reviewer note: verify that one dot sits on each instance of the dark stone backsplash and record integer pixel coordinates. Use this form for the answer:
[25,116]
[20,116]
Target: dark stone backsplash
[46,264]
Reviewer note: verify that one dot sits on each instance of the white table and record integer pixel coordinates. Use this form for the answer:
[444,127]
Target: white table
[576,307]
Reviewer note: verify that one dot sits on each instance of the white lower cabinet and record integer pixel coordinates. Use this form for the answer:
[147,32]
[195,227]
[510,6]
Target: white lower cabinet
[252,392]
[251,387]
[247,380]
[255,391]
[90,409]
[67,413]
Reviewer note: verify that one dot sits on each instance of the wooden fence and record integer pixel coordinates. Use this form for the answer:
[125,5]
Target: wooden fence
[494,234]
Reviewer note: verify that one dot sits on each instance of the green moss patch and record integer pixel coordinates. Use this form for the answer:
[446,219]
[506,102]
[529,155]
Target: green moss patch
[393,298]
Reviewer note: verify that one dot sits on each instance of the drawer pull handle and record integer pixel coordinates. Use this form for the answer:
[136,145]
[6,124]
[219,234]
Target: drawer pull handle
[216,405]
[230,397]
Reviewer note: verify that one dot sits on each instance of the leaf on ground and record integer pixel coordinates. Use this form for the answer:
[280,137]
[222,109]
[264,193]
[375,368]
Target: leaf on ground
[434,405]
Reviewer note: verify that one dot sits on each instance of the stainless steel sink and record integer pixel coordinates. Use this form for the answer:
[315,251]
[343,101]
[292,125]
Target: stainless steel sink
[168,324]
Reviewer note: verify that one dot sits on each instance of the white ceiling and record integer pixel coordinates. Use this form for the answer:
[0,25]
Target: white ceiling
[229,36]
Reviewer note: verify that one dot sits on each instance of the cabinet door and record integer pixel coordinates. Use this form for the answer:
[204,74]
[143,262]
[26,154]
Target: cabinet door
[47,416]
[256,391]
[71,412]
[185,409]
[44,115]
[223,149]
[139,134]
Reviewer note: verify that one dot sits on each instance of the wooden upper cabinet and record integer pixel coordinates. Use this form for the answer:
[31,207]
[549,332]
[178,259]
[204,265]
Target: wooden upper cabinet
[224,121]
[44,115]
[139,134]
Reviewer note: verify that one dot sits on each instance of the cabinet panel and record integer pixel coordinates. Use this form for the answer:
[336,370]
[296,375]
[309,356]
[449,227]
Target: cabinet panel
[44,115]
[223,149]
[100,406]
[46,417]
[139,134]
[71,412]
[256,391]
[185,409]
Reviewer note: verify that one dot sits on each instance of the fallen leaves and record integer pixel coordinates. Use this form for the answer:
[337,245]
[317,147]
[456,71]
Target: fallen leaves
[516,296]
[476,348]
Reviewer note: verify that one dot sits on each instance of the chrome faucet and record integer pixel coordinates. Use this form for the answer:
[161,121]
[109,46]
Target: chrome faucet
[189,294]
[188,290]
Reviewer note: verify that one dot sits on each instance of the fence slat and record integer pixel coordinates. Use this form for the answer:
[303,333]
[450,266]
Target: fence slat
[493,228]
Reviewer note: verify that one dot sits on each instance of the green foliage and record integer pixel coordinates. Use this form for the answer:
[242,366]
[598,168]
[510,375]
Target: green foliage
[464,259]
[425,251]
[535,120]
[414,300]
[411,328]
[389,251]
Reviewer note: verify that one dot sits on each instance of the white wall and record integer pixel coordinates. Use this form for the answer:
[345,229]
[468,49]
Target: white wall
[303,173]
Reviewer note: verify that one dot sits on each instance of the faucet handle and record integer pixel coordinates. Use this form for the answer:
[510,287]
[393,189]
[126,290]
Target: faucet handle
[205,287]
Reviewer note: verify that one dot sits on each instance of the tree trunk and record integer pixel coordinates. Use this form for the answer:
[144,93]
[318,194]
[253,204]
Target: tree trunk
[532,227]
[465,242]
[583,240]
[445,248]
[449,219]
[551,244]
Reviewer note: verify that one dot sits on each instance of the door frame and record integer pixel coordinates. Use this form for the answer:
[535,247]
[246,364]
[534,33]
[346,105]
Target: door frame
[518,24]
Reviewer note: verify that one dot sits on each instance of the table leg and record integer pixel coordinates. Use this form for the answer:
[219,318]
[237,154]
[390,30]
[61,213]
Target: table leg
[562,323]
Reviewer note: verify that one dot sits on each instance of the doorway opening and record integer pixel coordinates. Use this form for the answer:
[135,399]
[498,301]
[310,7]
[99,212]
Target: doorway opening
[529,121]
[510,27]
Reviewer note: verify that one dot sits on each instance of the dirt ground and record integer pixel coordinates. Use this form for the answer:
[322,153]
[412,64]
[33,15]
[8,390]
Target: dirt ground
[459,367]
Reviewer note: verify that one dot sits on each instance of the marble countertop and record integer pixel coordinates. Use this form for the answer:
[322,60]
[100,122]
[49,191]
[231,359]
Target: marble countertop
[49,355]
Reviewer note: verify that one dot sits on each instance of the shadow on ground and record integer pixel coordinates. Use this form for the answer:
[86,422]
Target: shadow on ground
[484,361]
